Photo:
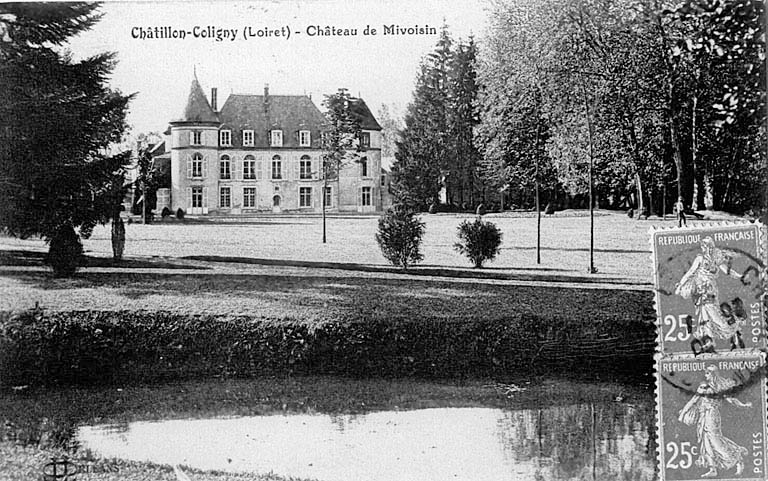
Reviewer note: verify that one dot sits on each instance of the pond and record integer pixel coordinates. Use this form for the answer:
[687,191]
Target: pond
[475,432]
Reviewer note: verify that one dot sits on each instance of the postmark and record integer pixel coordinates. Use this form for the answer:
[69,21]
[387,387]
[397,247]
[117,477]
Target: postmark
[711,413]
[709,284]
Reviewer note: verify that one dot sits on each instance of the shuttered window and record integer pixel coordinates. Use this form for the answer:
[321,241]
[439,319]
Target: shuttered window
[305,167]
[197,165]
[277,168]
[225,172]
[249,167]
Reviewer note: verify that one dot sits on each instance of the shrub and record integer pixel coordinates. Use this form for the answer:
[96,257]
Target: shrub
[479,241]
[166,212]
[399,236]
[85,347]
[65,252]
[180,213]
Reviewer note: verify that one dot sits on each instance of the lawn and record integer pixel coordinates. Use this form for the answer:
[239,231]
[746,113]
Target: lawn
[621,243]
[273,269]
[278,266]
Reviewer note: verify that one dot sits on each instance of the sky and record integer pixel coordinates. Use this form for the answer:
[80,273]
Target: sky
[379,68]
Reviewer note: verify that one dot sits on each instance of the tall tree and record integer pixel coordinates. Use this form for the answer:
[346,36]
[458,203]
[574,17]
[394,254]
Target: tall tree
[422,157]
[57,119]
[462,185]
[341,140]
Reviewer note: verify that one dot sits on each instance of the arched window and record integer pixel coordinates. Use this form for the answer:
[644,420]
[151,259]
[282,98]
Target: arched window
[249,167]
[277,168]
[225,170]
[197,165]
[305,167]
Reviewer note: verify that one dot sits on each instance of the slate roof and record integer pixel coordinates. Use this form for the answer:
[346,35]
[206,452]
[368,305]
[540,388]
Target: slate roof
[289,113]
[158,149]
[363,113]
[198,109]
[162,165]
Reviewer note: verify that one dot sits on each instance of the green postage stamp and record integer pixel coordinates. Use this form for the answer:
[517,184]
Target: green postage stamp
[709,283]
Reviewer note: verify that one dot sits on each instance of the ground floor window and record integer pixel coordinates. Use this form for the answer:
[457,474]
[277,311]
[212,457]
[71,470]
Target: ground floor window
[225,197]
[328,197]
[197,196]
[366,199]
[305,196]
[249,197]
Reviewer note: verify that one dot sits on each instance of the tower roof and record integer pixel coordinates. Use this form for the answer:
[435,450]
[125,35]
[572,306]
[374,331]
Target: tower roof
[198,109]
[364,116]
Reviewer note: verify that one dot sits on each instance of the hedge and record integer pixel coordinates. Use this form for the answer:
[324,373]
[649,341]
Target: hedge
[82,347]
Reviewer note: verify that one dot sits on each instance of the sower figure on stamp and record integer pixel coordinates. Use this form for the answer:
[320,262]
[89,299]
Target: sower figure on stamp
[680,208]
[703,410]
[700,284]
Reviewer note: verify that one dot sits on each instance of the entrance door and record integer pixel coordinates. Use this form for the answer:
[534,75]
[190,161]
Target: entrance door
[276,204]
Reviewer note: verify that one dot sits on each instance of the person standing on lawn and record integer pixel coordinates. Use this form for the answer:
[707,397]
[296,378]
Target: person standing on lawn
[680,208]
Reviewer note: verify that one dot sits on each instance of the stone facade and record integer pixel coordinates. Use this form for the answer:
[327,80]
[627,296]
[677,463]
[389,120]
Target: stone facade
[262,154]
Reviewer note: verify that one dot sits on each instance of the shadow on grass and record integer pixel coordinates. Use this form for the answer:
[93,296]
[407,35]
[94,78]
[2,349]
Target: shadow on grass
[577,249]
[428,270]
[34,258]
[330,297]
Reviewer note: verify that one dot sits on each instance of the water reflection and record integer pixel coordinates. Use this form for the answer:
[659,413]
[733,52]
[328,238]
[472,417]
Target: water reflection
[581,441]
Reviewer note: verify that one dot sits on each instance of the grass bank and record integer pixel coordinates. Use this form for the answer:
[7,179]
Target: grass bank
[129,346]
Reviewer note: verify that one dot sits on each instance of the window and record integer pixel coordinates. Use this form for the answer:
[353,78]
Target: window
[277,168]
[383,180]
[305,167]
[225,171]
[197,196]
[305,196]
[249,196]
[249,167]
[328,197]
[364,167]
[305,140]
[197,137]
[276,138]
[247,138]
[225,138]
[197,166]
[366,200]
[365,140]
[225,198]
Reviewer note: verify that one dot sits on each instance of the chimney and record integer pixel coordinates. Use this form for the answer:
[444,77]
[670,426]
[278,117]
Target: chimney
[266,105]
[214,91]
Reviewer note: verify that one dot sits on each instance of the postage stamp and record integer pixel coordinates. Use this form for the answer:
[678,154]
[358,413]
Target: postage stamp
[711,415]
[709,284]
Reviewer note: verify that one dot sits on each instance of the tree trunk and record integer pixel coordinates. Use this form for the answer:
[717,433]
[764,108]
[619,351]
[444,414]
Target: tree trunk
[670,106]
[639,185]
[118,238]
[699,191]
